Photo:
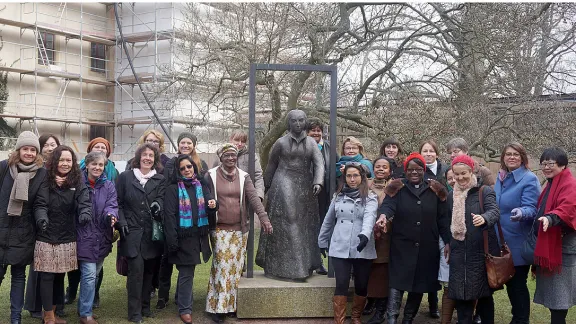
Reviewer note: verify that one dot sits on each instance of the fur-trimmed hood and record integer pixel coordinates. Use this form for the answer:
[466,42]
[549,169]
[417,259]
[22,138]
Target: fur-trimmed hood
[395,185]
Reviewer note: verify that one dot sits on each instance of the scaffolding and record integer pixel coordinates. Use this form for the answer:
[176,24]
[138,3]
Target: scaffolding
[48,48]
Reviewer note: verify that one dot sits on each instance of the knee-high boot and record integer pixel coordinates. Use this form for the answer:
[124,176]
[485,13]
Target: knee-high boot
[411,309]
[357,308]
[394,303]
[339,304]
[380,313]
[447,307]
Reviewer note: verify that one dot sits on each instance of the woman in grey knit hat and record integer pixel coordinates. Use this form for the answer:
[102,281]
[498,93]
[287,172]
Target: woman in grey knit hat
[23,212]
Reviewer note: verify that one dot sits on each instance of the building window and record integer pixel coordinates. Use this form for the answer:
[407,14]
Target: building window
[98,57]
[97,131]
[45,48]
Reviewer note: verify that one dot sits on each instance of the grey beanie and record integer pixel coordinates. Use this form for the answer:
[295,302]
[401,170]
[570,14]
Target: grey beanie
[27,138]
[187,135]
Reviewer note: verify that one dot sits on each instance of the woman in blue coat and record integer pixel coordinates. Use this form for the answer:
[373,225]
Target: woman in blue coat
[347,235]
[517,190]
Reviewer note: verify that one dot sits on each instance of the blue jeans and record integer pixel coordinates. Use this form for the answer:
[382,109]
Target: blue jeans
[88,274]
[17,288]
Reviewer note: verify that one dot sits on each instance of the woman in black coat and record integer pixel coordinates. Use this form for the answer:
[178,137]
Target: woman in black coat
[417,213]
[23,210]
[140,198]
[468,278]
[187,203]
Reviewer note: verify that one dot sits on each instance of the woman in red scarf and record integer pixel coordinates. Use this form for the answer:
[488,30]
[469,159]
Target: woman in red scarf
[555,252]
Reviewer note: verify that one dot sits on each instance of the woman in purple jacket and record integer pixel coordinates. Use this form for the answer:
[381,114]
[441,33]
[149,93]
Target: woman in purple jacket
[94,237]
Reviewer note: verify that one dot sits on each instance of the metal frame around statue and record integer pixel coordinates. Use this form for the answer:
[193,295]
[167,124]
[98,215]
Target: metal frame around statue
[332,71]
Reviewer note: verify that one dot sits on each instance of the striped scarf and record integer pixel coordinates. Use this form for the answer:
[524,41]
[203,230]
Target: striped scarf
[184,206]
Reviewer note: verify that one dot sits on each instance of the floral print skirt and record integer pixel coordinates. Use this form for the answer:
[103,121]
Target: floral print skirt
[228,249]
[55,258]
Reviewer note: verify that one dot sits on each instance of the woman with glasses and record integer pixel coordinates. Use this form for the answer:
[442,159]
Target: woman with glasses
[234,191]
[517,190]
[347,236]
[555,250]
[187,205]
[353,151]
[155,138]
[417,211]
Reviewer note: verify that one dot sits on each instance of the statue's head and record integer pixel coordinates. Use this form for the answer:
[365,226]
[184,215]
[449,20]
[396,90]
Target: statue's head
[297,121]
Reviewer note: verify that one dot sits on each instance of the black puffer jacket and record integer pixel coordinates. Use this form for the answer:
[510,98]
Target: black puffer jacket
[63,208]
[18,233]
[468,278]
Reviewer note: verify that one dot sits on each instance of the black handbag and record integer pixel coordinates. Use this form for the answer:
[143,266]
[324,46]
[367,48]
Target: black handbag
[527,251]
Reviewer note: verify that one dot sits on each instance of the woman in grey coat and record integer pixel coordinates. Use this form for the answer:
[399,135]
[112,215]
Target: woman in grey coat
[348,231]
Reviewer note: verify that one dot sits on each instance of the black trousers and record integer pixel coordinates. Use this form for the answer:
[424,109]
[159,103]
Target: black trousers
[51,289]
[519,295]
[558,316]
[17,287]
[74,283]
[165,278]
[484,308]
[342,270]
[139,285]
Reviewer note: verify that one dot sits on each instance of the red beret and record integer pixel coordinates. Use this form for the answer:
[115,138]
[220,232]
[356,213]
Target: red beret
[464,159]
[412,156]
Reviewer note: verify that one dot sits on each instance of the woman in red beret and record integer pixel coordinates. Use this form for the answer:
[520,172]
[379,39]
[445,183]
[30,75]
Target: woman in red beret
[415,214]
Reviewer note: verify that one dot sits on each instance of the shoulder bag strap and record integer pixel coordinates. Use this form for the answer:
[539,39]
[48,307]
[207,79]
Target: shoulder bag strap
[485,232]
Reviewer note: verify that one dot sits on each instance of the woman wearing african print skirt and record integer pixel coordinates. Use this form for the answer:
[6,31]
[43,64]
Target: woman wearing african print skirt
[187,203]
[234,190]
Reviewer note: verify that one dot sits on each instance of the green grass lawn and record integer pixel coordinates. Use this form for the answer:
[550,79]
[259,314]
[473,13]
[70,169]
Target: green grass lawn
[113,304]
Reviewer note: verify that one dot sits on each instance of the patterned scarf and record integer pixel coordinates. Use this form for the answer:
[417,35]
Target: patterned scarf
[184,206]
[460,193]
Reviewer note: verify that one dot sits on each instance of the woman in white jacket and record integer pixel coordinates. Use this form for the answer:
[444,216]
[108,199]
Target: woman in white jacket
[348,231]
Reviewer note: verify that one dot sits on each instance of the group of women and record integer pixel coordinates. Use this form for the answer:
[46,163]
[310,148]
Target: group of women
[418,225]
[399,224]
[164,211]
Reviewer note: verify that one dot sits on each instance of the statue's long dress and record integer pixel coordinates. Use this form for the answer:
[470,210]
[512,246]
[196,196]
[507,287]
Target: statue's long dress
[291,251]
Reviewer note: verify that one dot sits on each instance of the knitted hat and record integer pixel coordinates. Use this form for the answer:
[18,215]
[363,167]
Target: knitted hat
[226,148]
[412,156]
[187,135]
[464,159]
[27,138]
[100,140]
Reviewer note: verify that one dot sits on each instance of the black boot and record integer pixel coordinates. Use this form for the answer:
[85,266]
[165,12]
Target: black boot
[433,304]
[380,313]
[477,319]
[369,308]
[411,309]
[321,270]
[394,303]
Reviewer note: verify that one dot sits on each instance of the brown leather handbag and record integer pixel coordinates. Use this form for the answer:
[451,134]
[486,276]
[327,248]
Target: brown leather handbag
[500,269]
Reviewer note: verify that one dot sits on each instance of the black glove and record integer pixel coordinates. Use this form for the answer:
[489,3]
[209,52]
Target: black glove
[363,242]
[155,210]
[323,252]
[122,229]
[84,219]
[42,225]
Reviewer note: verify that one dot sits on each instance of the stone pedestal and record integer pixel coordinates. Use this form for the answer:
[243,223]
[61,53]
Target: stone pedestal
[262,297]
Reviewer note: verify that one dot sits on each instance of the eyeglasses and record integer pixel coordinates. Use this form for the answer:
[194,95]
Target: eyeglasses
[153,142]
[547,164]
[228,156]
[512,154]
[415,170]
[188,166]
[456,151]
[352,176]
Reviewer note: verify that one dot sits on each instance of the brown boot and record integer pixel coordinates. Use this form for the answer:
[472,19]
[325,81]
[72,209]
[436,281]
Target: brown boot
[339,303]
[48,317]
[447,307]
[357,309]
[88,320]
[57,320]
